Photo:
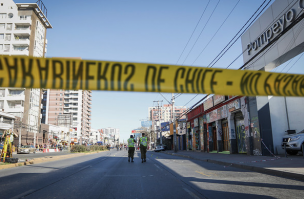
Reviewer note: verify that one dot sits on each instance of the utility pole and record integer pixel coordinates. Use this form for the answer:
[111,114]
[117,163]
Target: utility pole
[159,128]
[173,121]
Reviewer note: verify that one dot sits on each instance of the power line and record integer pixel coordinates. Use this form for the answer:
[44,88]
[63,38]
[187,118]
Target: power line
[295,62]
[193,32]
[216,32]
[165,98]
[219,56]
[201,32]
[271,43]
[266,50]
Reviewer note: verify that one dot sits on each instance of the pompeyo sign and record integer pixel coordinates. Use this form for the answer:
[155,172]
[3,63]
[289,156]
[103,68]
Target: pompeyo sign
[276,28]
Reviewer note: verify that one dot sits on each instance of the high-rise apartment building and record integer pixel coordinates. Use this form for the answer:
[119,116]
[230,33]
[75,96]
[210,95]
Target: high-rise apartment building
[111,136]
[165,113]
[60,105]
[23,29]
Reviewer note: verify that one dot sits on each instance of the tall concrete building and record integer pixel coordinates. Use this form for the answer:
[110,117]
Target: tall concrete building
[59,104]
[166,112]
[23,28]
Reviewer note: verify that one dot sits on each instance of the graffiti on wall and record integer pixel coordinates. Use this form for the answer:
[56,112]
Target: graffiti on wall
[241,136]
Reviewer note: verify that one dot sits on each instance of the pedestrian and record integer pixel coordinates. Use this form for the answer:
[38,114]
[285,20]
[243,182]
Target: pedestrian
[131,144]
[143,147]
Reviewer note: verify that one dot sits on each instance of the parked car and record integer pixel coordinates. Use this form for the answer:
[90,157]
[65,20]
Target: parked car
[160,148]
[293,142]
[26,149]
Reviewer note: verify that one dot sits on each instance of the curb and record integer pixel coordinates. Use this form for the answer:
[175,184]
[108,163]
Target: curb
[246,167]
[46,159]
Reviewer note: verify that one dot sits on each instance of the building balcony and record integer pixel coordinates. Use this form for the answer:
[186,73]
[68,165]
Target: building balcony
[22,31]
[21,42]
[14,109]
[19,52]
[10,97]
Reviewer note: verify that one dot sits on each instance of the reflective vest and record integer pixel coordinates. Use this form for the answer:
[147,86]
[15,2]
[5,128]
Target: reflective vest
[143,141]
[130,142]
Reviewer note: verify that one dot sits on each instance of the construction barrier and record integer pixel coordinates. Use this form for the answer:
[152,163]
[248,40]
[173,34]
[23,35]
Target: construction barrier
[74,74]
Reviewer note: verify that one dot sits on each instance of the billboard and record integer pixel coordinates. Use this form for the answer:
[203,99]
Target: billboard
[165,126]
[146,123]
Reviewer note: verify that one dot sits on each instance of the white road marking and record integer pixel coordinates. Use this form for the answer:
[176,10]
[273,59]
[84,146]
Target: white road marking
[191,193]
[158,167]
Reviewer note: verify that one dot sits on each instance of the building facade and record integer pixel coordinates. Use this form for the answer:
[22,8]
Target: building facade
[69,108]
[23,28]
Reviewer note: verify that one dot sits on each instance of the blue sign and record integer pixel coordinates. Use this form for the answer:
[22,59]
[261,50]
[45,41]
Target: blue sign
[146,123]
[165,126]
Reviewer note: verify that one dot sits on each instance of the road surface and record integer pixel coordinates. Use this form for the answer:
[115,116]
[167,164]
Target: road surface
[110,175]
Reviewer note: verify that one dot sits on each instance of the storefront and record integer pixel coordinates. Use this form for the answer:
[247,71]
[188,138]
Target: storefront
[188,137]
[181,138]
[239,123]
[196,135]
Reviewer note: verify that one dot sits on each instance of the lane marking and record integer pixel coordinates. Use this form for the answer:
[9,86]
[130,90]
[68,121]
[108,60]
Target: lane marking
[191,193]
[158,167]
[202,173]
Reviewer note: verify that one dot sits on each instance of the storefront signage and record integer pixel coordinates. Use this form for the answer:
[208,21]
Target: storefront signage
[224,111]
[165,126]
[182,128]
[217,114]
[208,103]
[218,99]
[276,28]
[234,105]
[188,125]
[196,122]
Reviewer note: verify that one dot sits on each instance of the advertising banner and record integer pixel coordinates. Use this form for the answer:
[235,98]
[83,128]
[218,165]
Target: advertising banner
[165,126]
[196,122]
[182,128]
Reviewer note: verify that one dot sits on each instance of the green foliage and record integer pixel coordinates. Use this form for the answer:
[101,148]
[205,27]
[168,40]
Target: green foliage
[82,148]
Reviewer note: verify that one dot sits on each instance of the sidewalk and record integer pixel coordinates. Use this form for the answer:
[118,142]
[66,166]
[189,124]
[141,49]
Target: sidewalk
[291,167]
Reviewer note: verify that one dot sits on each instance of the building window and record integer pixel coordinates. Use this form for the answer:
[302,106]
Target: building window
[60,99]
[2,26]
[9,26]
[2,15]
[6,48]
[1,36]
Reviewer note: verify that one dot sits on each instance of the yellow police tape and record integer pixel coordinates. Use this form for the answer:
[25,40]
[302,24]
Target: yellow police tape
[74,74]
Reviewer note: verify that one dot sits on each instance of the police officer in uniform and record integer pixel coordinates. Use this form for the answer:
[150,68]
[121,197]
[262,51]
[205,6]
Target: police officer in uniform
[131,145]
[143,147]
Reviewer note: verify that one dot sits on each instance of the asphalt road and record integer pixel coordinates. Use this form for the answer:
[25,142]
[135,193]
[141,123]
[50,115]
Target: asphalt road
[109,175]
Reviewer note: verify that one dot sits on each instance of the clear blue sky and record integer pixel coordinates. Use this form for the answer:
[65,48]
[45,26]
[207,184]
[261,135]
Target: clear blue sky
[151,31]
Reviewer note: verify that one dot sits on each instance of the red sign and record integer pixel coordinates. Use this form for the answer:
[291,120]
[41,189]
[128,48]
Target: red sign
[133,131]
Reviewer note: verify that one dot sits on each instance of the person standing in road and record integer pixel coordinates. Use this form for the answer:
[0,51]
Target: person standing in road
[131,144]
[143,147]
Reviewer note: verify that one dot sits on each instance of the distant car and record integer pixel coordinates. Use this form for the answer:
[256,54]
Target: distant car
[160,148]
[26,149]
[293,143]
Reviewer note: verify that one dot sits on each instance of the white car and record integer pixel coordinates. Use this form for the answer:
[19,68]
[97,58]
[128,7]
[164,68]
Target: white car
[160,148]
[293,142]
